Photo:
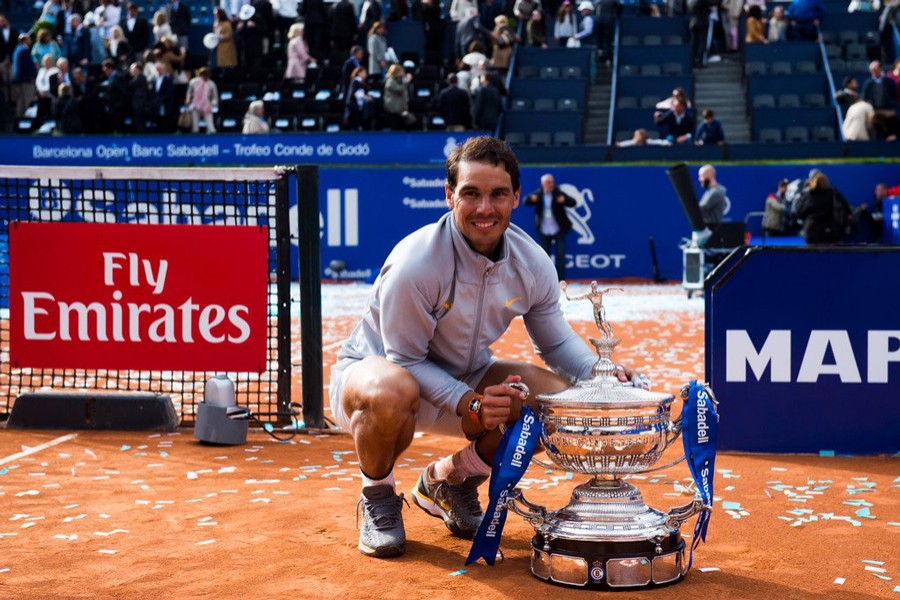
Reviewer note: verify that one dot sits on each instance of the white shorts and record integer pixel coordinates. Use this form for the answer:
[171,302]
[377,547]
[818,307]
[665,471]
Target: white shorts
[429,418]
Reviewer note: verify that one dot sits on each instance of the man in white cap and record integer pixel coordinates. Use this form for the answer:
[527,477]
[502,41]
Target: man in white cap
[585,33]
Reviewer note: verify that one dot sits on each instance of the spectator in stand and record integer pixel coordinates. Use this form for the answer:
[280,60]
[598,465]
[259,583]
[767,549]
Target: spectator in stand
[98,44]
[859,122]
[455,106]
[107,14]
[350,65]
[136,29]
[284,13]
[115,98]
[370,12]
[565,26]
[606,14]
[471,66]
[461,9]
[777,25]
[733,10]
[487,12]
[376,43]
[755,30]
[9,37]
[642,138]
[676,124]
[881,93]
[67,112]
[396,98]
[469,31]
[119,49]
[343,25]
[406,9]
[824,212]
[23,75]
[710,132]
[585,32]
[161,27]
[488,104]
[504,40]
[165,108]
[698,26]
[253,32]
[537,29]
[313,13]
[45,72]
[551,221]
[141,101]
[170,54]
[45,45]
[226,52]
[359,110]
[524,8]
[433,22]
[849,93]
[664,105]
[894,75]
[61,76]
[254,121]
[64,31]
[202,99]
[42,87]
[298,56]
[773,222]
[179,18]
[804,17]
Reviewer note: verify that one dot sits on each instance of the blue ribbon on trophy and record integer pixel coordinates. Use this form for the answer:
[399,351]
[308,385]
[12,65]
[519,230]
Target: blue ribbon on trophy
[699,429]
[510,463]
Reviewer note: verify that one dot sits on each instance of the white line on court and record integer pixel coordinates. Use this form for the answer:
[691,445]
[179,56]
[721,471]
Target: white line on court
[36,449]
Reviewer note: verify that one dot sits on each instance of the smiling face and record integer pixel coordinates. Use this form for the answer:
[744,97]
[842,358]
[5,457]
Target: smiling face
[482,203]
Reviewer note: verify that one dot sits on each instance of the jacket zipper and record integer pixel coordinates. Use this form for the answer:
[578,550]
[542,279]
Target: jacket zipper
[478,317]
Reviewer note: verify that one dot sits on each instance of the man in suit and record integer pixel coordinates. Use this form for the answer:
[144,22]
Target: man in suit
[9,37]
[166,111]
[116,96]
[551,220]
[455,106]
[353,61]
[180,21]
[137,30]
[343,25]
[676,124]
[23,74]
[488,104]
[62,76]
[141,102]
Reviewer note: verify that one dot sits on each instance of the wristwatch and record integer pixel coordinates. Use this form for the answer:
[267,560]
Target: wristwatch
[475,406]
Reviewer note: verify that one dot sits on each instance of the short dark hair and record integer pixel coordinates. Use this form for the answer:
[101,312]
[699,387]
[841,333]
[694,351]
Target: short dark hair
[708,113]
[483,149]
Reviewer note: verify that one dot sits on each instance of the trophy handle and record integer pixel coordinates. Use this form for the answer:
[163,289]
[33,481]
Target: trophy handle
[679,514]
[547,465]
[533,513]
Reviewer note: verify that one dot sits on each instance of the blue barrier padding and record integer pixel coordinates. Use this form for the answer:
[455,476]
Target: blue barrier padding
[689,153]
[783,118]
[794,151]
[804,350]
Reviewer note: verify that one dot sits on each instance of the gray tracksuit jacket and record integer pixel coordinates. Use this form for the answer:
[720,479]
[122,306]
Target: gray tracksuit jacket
[437,306]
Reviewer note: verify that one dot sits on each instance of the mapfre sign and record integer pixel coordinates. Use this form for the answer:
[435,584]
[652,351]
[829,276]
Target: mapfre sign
[138,297]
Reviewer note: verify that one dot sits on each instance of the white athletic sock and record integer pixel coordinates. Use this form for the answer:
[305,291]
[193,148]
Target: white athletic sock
[458,467]
[366,482]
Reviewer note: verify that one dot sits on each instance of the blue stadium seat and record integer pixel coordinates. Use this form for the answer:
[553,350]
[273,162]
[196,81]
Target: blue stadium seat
[539,138]
[780,67]
[544,104]
[814,100]
[823,133]
[805,66]
[770,135]
[515,138]
[788,101]
[796,135]
[627,102]
[564,138]
[571,72]
[651,70]
[763,101]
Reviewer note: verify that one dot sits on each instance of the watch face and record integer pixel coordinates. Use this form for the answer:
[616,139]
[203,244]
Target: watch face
[474,405]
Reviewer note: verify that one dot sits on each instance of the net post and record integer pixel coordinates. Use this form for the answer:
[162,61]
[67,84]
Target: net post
[310,295]
[283,291]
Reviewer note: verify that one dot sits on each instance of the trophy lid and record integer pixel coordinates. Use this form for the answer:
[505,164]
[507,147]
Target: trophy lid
[604,387]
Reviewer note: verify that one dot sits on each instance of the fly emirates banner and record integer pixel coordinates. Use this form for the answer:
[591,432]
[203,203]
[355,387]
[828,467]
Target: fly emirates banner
[141,297]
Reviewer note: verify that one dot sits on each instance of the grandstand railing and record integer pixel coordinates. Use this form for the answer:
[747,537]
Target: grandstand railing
[192,197]
[831,89]
[610,132]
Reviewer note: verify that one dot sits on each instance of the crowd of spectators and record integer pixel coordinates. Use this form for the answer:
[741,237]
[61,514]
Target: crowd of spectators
[122,67]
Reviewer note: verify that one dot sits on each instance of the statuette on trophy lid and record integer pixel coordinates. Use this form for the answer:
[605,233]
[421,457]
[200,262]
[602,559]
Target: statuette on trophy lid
[607,537]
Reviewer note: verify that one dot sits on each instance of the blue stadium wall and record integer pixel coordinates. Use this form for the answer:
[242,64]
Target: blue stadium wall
[376,188]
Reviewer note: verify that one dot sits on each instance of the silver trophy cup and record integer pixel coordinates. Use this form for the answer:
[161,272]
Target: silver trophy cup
[606,537]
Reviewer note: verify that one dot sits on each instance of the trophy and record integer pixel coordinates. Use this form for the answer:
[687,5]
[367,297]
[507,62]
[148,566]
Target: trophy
[607,537]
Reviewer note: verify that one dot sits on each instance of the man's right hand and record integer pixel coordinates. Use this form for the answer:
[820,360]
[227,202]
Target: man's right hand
[501,404]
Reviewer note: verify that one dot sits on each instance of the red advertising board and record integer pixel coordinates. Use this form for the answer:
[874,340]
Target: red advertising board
[139,297]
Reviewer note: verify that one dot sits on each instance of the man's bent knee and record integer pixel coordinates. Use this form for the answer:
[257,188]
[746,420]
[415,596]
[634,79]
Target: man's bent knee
[385,392]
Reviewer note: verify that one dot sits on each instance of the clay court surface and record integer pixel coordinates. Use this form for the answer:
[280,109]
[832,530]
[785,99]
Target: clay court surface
[148,515]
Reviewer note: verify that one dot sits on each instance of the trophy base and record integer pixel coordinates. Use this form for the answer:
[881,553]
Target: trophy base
[608,565]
